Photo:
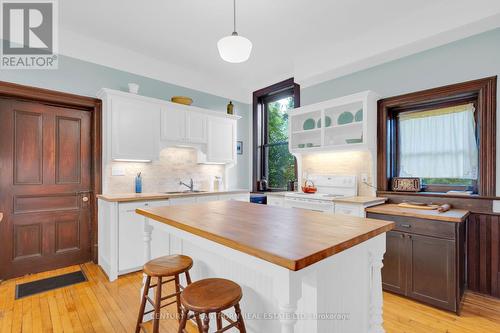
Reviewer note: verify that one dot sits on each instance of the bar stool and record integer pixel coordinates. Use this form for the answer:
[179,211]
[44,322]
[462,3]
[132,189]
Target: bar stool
[162,267]
[212,296]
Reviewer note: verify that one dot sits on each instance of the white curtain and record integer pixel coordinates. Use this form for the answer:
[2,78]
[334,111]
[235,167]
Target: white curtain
[438,143]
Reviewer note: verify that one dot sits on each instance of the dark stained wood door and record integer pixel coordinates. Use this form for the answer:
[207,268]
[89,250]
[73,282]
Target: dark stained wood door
[395,263]
[45,187]
[432,276]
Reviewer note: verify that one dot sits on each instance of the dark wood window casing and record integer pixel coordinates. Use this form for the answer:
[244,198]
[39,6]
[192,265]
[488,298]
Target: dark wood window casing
[480,92]
[260,99]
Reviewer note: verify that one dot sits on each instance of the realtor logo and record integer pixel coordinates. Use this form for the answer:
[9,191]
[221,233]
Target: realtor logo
[29,34]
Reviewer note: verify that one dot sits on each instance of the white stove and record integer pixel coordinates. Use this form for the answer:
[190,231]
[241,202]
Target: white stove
[329,187]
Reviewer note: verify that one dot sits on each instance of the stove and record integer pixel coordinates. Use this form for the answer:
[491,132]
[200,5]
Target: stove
[329,187]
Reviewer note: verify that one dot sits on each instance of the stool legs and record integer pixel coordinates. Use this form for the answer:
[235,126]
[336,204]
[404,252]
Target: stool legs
[241,324]
[157,306]
[206,323]
[143,304]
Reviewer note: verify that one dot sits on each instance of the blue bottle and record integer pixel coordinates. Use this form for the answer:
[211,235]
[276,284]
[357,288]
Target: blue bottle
[138,183]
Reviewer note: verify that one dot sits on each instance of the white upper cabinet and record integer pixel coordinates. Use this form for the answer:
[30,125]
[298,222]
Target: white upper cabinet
[173,124]
[134,129]
[345,123]
[137,127]
[196,126]
[221,140]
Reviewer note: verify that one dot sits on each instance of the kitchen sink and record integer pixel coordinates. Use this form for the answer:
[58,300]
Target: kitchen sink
[188,191]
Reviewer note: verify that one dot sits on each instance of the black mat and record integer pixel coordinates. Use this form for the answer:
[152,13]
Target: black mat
[40,286]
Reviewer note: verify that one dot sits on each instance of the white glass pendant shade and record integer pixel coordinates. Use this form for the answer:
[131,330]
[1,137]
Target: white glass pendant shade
[234,48]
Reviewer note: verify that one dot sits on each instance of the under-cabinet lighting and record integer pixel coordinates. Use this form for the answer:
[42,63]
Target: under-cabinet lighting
[130,160]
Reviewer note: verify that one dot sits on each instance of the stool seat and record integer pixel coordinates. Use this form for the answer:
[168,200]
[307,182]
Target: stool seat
[211,295]
[168,265]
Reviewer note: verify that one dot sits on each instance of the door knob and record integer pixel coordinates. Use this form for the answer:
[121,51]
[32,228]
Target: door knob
[85,199]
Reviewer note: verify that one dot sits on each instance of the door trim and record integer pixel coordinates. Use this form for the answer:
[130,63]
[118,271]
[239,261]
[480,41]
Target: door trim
[94,106]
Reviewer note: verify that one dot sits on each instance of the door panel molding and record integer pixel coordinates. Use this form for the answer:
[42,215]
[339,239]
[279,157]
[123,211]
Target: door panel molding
[90,108]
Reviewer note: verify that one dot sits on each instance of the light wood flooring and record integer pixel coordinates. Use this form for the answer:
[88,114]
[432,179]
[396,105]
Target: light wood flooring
[102,306]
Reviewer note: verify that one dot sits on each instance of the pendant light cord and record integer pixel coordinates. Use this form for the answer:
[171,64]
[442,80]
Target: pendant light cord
[234,16]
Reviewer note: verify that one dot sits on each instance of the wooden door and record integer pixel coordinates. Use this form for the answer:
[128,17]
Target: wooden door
[431,275]
[45,187]
[395,262]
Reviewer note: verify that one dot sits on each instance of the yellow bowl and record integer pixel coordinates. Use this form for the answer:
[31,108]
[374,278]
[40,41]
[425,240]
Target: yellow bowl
[182,100]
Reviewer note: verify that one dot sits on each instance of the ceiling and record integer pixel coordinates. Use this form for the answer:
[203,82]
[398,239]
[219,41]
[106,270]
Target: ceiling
[175,41]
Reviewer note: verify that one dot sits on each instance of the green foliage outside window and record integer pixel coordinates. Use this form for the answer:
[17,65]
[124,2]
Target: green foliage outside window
[281,164]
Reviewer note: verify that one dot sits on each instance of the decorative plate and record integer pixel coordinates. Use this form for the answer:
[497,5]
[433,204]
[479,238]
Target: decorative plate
[309,124]
[353,140]
[328,122]
[345,118]
[406,184]
[359,115]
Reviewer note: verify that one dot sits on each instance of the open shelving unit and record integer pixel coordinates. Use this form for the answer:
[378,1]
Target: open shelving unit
[351,124]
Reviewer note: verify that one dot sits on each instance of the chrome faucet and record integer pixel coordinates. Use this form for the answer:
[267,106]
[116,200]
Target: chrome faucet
[190,186]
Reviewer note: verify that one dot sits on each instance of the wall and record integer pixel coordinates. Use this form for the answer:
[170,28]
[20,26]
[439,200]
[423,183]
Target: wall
[468,59]
[85,78]
[175,164]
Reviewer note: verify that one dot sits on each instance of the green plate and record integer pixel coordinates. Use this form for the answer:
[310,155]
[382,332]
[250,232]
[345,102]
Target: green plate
[328,122]
[353,140]
[309,124]
[345,118]
[359,115]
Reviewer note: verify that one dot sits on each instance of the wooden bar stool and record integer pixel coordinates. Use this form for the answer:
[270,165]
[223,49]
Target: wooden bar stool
[159,268]
[212,296]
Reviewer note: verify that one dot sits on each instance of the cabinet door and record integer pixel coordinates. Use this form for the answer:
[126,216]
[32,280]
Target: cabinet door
[130,239]
[274,201]
[196,127]
[395,258]
[206,198]
[135,130]
[349,209]
[173,124]
[182,201]
[221,145]
[431,275]
[235,197]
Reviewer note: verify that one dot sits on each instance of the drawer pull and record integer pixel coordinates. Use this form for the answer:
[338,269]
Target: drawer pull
[402,236]
[405,225]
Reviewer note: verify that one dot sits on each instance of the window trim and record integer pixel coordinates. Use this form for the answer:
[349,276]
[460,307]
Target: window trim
[260,97]
[483,90]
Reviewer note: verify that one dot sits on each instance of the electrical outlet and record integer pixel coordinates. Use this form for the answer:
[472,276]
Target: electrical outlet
[364,177]
[117,171]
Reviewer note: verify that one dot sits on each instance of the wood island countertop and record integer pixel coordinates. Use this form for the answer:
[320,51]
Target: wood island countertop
[453,215]
[291,238]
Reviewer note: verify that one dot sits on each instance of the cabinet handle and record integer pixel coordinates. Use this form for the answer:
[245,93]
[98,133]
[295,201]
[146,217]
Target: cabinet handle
[405,225]
[402,235]
[409,236]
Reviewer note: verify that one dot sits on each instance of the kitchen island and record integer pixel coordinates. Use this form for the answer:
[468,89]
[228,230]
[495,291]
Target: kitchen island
[300,271]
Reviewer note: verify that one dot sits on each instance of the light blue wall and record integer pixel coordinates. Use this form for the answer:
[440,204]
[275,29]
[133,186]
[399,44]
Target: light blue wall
[464,60]
[85,78]
[467,59]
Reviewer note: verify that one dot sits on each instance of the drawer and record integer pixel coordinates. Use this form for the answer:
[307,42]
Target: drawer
[419,226]
[132,206]
[346,209]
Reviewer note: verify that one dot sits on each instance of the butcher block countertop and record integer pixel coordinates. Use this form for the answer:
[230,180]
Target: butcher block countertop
[291,238]
[453,215]
[125,197]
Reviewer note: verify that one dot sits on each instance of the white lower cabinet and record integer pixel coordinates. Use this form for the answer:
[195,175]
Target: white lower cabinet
[276,201]
[122,235]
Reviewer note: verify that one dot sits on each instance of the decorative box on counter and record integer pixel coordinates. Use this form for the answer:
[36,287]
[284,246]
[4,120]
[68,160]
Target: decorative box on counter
[406,184]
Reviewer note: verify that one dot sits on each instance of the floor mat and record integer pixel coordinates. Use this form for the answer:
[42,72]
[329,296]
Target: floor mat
[40,286]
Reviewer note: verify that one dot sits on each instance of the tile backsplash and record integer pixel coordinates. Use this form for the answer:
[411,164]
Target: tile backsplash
[342,163]
[175,164]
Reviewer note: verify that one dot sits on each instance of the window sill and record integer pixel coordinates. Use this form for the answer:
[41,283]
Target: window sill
[436,194]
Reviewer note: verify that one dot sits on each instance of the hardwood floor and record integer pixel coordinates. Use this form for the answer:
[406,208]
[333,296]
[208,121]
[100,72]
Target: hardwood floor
[102,306]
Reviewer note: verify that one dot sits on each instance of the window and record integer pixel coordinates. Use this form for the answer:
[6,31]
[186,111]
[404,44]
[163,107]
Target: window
[440,147]
[272,159]
[445,136]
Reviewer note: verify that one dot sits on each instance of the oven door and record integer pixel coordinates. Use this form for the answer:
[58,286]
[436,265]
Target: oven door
[310,204]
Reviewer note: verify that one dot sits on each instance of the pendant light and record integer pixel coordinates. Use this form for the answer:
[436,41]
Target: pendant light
[234,48]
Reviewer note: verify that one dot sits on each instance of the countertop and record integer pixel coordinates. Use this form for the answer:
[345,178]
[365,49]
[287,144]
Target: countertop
[291,238]
[453,215]
[125,197]
[361,200]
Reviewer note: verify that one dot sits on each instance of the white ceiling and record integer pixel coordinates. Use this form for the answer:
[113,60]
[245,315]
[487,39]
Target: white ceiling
[175,41]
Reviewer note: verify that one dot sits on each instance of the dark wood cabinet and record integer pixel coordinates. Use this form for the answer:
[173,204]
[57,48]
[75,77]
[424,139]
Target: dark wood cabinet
[425,260]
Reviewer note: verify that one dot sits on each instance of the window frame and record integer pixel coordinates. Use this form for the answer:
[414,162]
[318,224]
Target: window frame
[482,91]
[260,122]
